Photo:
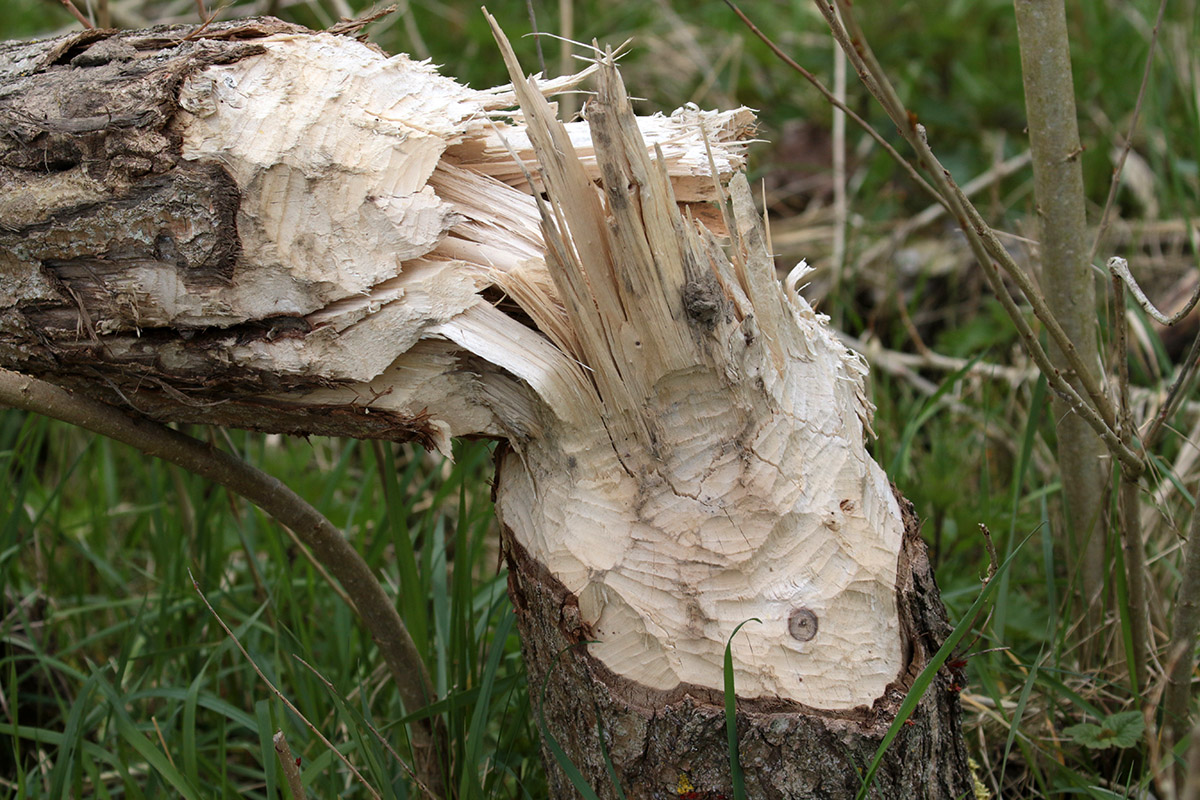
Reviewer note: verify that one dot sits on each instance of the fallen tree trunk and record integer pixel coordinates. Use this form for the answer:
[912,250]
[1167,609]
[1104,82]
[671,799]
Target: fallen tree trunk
[253,225]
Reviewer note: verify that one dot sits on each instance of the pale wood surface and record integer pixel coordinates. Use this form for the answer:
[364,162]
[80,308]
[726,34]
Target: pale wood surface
[358,244]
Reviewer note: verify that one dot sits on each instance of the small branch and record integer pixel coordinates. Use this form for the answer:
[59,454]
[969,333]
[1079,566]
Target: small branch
[537,39]
[371,602]
[290,766]
[983,240]
[1129,508]
[354,26]
[1130,519]
[934,212]
[1119,268]
[75,12]
[379,737]
[275,690]
[840,209]
[840,106]
[1133,123]
[1175,395]
[567,103]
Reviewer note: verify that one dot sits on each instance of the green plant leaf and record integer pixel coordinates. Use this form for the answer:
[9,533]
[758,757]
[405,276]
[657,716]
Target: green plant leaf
[1123,729]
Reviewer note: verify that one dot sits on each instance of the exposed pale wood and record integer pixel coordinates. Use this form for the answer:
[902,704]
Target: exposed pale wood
[729,479]
[303,218]
[291,231]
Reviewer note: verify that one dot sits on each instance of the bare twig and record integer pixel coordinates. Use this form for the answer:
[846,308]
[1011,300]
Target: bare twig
[934,212]
[537,39]
[371,602]
[840,210]
[1128,508]
[290,766]
[1133,122]
[567,103]
[993,561]
[1099,412]
[75,12]
[351,27]
[900,160]
[1175,395]
[1119,268]
[379,737]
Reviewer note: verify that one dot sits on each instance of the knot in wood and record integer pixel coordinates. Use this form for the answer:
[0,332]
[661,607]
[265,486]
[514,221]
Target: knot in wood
[802,624]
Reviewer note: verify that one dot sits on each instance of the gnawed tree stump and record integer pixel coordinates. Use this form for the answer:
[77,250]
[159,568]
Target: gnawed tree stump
[258,226]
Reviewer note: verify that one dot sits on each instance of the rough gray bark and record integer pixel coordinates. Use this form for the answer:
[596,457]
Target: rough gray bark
[194,225]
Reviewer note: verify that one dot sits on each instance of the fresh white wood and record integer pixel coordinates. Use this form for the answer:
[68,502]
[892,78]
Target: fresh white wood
[374,206]
[687,435]
[728,479]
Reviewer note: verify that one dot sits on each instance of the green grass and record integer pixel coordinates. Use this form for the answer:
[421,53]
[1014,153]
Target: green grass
[117,682]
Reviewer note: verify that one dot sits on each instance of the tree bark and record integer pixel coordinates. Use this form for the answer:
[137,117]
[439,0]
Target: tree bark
[257,226]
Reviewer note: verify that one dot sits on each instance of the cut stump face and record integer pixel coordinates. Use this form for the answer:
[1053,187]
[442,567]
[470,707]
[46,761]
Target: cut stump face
[754,499]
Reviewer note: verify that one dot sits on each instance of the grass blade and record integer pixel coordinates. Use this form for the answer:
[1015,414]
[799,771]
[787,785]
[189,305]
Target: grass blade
[731,735]
[925,679]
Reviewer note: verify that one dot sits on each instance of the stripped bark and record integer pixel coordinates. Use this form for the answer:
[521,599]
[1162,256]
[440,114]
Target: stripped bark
[258,226]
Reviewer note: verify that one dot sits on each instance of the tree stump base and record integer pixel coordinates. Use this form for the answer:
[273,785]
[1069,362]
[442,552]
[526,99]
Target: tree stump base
[661,743]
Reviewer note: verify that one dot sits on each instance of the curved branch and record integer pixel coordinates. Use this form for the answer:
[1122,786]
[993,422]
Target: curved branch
[1100,413]
[841,106]
[1119,268]
[371,603]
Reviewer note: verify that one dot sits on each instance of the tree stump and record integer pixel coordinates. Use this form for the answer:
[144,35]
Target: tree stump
[254,225]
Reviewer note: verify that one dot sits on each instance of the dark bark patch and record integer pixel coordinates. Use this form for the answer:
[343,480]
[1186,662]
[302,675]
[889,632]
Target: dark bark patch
[121,86]
[704,302]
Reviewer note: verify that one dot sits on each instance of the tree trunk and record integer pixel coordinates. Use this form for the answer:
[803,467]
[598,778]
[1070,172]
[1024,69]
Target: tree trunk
[257,226]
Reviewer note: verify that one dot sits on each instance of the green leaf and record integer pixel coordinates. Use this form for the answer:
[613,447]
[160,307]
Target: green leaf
[1128,726]
[1123,729]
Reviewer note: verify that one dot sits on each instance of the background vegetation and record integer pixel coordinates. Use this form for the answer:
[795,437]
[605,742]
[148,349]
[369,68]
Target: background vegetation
[115,680]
